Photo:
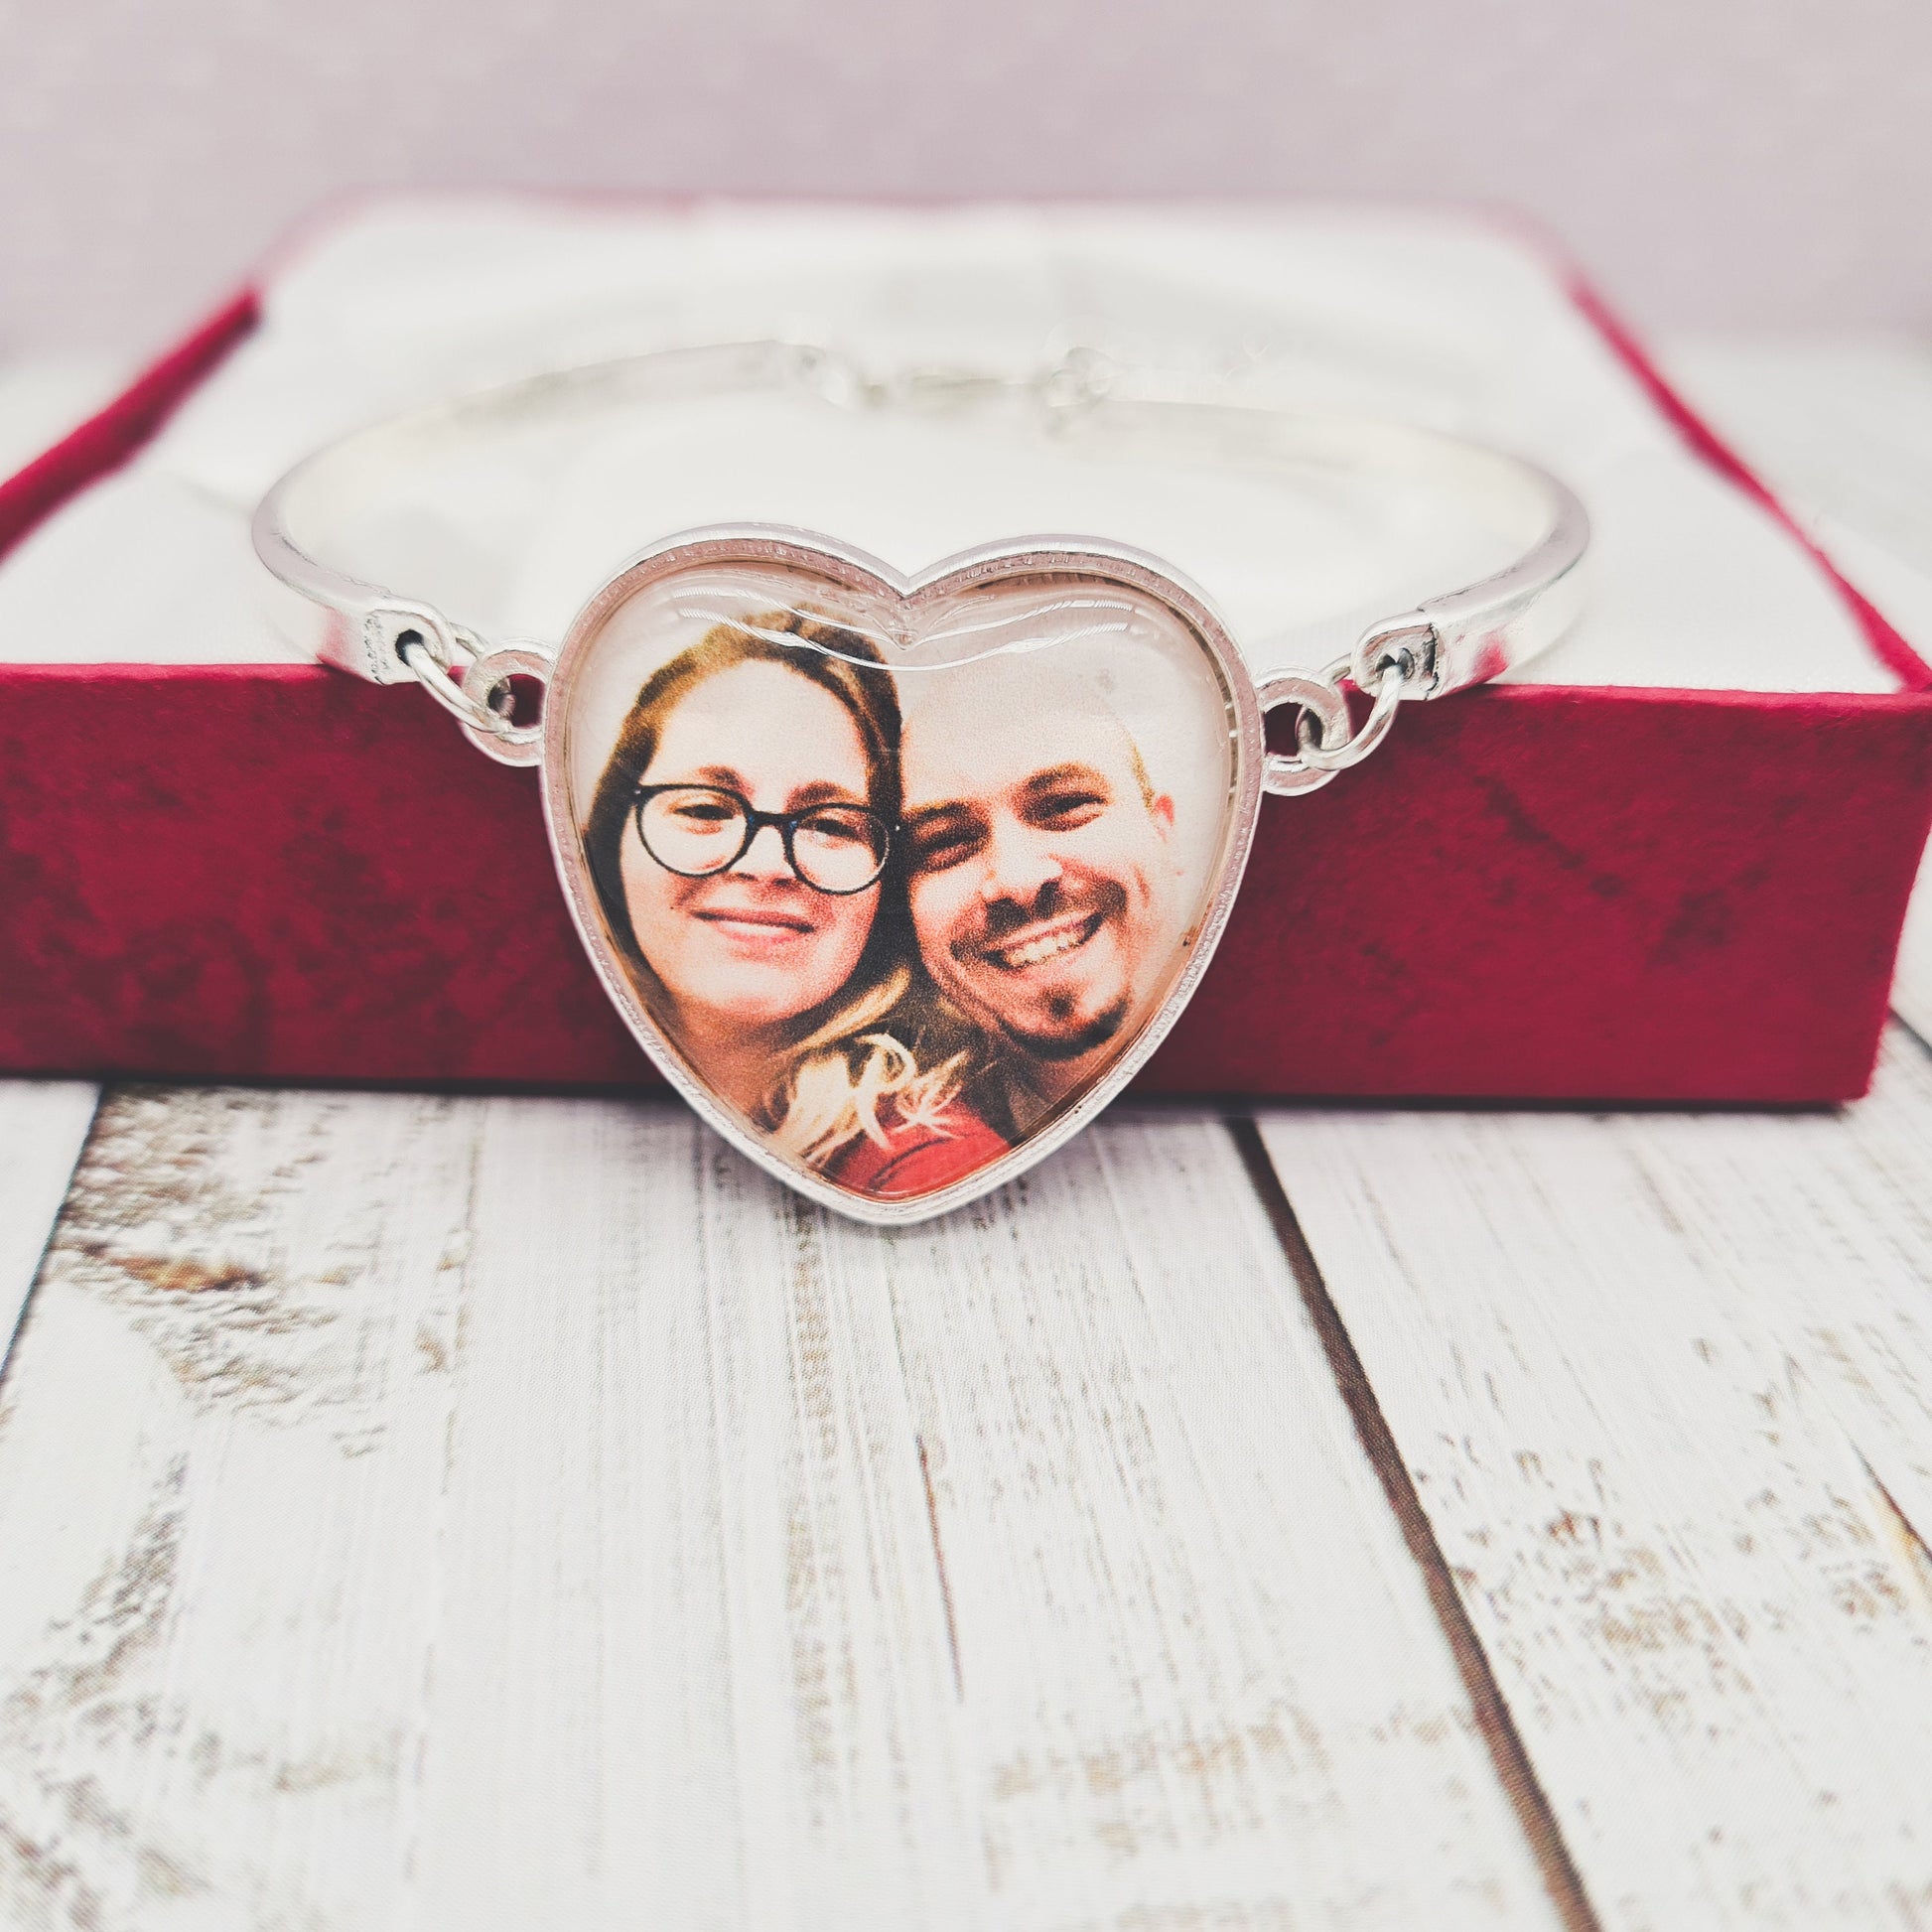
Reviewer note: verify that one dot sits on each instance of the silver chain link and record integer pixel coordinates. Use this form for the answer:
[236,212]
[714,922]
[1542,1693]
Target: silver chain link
[437,672]
[1327,742]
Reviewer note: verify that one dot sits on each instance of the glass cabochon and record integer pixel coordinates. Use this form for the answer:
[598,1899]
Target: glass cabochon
[894,881]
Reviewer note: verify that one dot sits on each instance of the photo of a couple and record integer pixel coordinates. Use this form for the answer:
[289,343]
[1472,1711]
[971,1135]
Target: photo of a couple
[897,920]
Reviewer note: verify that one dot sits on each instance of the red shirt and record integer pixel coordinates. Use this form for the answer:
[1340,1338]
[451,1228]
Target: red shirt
[918,1158]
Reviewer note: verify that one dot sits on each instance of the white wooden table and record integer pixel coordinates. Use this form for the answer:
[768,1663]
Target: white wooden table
[471,1513]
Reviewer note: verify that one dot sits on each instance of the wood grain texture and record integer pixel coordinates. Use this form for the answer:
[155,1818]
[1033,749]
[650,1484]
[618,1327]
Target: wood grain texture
[497,1513]
[1663,1385]
[42,1125]
[220,1470]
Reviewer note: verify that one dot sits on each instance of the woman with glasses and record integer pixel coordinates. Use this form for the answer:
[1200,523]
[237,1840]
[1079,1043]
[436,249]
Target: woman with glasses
[743,840]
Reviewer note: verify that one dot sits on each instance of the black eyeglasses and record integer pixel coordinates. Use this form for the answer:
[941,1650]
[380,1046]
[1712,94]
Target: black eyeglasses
[696,830]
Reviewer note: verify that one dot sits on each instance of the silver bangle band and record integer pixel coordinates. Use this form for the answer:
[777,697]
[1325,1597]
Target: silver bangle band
[1467,635]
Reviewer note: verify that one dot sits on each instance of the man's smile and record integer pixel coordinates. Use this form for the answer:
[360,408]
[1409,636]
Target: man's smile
[1043,940]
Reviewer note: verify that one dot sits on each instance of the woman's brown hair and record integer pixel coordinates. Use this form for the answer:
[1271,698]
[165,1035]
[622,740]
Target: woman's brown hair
[863,1046]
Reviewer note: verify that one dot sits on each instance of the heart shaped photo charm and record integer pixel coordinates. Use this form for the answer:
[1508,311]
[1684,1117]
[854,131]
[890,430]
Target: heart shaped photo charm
[898,881]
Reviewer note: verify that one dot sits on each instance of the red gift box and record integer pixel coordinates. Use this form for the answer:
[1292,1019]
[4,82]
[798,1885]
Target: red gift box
[1532,891]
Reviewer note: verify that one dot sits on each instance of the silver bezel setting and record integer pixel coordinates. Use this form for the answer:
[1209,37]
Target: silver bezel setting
[1094,559]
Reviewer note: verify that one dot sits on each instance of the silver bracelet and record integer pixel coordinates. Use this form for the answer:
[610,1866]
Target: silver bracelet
[900,880]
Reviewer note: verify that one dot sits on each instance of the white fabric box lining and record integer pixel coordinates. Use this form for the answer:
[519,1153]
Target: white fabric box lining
[1450,322]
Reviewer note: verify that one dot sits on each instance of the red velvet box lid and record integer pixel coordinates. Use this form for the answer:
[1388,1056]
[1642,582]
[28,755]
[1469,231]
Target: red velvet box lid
[1544,892]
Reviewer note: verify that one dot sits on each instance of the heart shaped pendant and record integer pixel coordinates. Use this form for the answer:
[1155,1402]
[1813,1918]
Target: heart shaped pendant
[897,879]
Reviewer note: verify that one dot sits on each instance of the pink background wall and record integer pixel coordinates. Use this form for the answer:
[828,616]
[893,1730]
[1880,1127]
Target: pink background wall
[1762,163]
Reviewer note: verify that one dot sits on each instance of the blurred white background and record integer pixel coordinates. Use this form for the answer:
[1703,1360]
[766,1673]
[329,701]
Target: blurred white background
[1731,162]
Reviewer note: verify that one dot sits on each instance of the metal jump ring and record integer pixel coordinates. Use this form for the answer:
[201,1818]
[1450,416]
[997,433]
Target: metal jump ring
[1390,690]
[416,650]
[487,675]
[1318,699]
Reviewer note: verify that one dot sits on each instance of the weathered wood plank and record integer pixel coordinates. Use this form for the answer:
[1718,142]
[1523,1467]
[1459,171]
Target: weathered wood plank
[693,1646]
[1823,1225]
[1643,1371]
[42,1125]
[489,1513]
[220,1473]
[1191,1641]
